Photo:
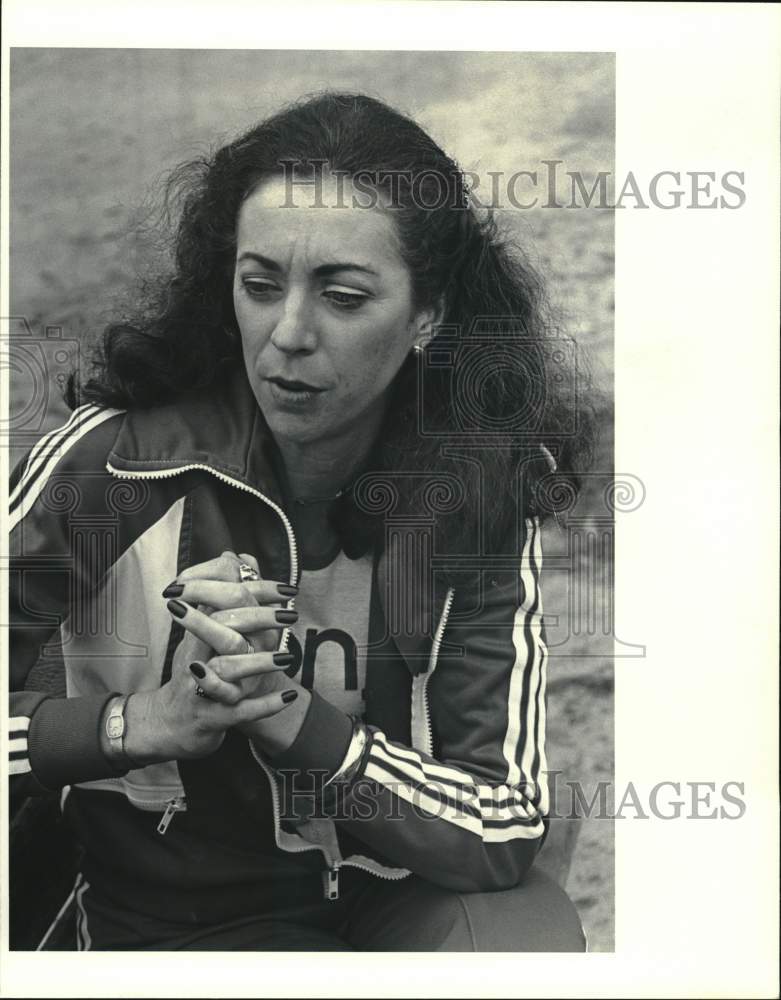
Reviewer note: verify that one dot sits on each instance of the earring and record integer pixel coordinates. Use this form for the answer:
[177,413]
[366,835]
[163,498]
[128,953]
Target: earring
[420,348]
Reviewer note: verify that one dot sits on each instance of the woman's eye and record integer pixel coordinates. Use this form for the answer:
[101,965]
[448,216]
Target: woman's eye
[259,289]
[345,300]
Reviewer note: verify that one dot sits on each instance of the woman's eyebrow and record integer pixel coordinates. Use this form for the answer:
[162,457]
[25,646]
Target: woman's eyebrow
[325,269]
[322,271]
[267,262]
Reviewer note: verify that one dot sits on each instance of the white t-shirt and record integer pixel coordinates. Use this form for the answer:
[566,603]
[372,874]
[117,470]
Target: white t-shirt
[329,639]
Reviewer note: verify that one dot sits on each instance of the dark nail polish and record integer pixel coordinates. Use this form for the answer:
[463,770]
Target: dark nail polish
[285,590]
[288,696]
[198,670]
[286,617]
[177,609]
[283,659]
[174,590]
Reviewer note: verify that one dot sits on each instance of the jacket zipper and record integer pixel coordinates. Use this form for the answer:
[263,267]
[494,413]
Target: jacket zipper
[291,538]
[432,665]
[331,882]
[402,873]
[173,806]
[331,874]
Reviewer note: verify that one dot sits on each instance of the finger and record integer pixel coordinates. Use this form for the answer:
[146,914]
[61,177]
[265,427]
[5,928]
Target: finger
[192,648]
[221,594]
[232,669]
[254,619]
[261,708]
[221,638]
[213,687]
[224,567]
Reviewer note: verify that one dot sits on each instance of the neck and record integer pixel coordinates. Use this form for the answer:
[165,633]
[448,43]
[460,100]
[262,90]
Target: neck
[320,469]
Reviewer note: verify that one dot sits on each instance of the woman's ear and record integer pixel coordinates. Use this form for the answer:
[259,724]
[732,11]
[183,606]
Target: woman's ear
[427,321]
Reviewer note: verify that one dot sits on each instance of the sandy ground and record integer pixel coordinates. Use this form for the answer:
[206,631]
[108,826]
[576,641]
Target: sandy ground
[93,131]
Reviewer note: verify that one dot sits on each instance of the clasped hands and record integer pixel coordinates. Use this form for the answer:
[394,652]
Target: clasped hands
[223,618]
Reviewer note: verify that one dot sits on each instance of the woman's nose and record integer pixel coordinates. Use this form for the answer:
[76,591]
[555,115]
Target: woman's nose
[295,327]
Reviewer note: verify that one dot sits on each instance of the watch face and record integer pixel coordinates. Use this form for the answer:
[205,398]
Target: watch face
[115,727]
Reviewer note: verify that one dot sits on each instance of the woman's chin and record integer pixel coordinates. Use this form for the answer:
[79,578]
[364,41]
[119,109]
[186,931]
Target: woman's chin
[296,416]
[299,427]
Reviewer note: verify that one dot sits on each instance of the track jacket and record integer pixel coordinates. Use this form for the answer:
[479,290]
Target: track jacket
[105,512]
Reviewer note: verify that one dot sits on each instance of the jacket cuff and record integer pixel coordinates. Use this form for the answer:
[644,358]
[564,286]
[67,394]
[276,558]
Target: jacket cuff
[322,741]
[352,763]
[64,741]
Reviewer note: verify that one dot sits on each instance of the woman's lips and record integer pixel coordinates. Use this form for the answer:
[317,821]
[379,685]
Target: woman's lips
[293,385]
[291,394]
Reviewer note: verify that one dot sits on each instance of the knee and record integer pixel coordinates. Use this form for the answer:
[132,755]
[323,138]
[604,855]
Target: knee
[416,915]
[535,916]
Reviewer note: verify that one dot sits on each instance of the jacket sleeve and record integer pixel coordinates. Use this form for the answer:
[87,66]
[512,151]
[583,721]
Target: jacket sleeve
[465,806]
[52,741]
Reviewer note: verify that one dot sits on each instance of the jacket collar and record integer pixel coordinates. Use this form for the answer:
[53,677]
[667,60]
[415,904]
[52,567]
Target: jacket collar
[221,427]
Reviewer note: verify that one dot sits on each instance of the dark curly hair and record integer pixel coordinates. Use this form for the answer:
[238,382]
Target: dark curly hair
[496,383]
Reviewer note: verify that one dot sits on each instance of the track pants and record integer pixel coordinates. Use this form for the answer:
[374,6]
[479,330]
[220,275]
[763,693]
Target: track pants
[370,915]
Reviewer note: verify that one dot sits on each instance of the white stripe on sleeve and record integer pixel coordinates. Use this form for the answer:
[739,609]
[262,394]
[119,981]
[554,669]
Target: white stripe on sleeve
[437,773]
[513,732]
[468,791]
[423,800]
[43,448]
[37,479]
[542,775]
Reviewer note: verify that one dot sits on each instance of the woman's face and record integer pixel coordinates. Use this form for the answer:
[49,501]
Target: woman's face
[324,305]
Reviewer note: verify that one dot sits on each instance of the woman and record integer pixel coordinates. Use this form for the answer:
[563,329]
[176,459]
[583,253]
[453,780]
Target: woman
[287,550]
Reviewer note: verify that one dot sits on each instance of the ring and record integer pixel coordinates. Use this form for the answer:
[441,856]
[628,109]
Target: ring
[246,572]
[200,692]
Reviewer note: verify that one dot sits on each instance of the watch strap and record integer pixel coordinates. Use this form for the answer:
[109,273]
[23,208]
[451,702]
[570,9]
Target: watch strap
[115,727]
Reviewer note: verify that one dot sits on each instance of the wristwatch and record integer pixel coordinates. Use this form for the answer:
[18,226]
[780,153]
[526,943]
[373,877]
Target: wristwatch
[116,729]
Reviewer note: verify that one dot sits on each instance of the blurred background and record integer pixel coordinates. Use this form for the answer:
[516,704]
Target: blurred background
[94,131]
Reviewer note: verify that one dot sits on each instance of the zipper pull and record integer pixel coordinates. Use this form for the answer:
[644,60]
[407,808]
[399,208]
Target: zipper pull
[331,883]
[174,806]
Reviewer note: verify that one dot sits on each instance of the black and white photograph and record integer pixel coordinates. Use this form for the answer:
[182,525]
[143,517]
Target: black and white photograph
[361,487]
[316,512]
